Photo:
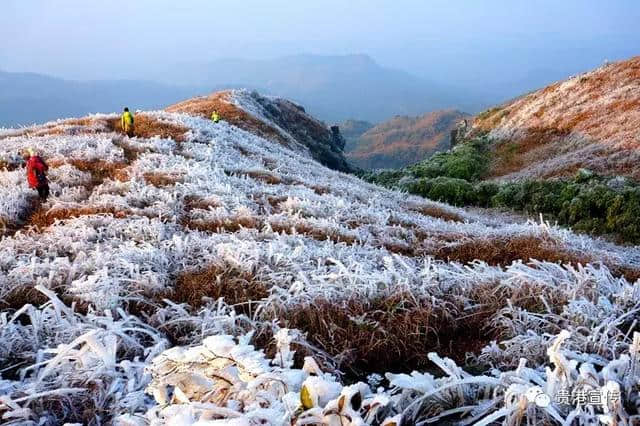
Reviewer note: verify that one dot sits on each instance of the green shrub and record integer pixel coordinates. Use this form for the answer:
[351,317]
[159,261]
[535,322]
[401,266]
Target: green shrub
[386,178]
[468,161]
[485,191]
[458,192]
[587,202]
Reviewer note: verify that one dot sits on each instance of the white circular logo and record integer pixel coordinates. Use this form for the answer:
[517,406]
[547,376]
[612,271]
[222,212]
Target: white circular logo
[542,400]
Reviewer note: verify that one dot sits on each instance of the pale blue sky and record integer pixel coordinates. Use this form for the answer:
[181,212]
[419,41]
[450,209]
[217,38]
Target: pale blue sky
[465,42]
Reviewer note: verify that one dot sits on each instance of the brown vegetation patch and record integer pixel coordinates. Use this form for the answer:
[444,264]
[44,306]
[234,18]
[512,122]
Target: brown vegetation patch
[504,251]
[388,333]
[205,105]
[99,170]
[146,126]
[192,202]
[22,295]
[43,219]
[213,282]
[275,201]
[161,180]
[265,176]
[320,190]
[33,207]
[438,212]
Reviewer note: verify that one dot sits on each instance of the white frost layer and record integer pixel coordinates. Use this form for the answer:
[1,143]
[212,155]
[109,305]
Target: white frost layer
[105,358]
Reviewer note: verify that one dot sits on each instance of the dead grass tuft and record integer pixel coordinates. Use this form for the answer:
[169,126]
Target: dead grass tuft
[307,229]
[265,176]
[99,170]
[192,202]
[504,251]
[161,180]
[437,212]
[320,190]
[17,297]
[228,224]
[43,219]
[148,127]
[389,333]
[215,281]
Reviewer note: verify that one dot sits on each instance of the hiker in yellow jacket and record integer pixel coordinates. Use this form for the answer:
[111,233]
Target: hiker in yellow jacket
[215,117]
[126,122]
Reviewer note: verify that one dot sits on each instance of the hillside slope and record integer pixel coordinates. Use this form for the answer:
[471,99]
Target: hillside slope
[199,272]
[589,121]
[404,140]
[352,130]
[275,118]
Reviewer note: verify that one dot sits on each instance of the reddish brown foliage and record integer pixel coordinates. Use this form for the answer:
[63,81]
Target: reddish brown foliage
[213,282]
[438,212]
[42,219]
[149,127]
[264,176]
[504,251]
[320,190]
[161,180]
[204,106]
[192,202]
[100,170]
[405,140]
[390,333]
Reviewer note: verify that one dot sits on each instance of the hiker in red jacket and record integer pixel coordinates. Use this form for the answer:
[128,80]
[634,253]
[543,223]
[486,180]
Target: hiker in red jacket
[37,174]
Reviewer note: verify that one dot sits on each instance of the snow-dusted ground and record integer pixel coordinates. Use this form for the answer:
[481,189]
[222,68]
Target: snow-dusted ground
[102,361]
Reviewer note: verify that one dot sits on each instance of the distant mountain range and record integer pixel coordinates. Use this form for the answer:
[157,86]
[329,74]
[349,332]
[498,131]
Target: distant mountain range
[400,141]
[332,88]
[27,98]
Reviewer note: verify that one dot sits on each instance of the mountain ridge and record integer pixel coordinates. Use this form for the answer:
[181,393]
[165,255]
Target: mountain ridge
[588,121]
[404,140]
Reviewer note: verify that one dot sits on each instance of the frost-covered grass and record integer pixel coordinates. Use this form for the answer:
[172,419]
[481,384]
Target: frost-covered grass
[110,308]
[588,121]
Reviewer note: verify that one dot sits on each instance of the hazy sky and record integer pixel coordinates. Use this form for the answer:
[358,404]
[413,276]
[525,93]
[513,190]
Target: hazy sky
[461,42]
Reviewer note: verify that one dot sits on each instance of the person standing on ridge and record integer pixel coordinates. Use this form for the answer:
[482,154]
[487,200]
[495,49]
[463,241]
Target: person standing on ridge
[126,121]
[37,174]
[215,117]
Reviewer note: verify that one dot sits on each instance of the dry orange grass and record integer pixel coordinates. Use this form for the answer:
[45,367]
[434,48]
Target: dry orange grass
[149,127]
[265,176]
[320,190]
[320,234]
[388,333]
[434,211]
[504,251]
[42,219]
[213,282]
[101,170]
[205,105]
[192,202]
[161,180]
[227,224]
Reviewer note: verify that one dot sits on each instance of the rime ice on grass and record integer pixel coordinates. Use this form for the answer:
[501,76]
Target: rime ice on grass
[95,327]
